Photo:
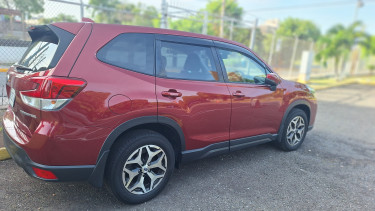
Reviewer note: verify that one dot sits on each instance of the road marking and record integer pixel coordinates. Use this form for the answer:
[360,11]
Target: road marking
[3,70]
[4,154]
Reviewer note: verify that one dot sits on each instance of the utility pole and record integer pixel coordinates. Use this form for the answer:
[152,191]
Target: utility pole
[204,28]
[222,14]
[82,9]
[358,5]
[164,14]
[355,48]
[253,34]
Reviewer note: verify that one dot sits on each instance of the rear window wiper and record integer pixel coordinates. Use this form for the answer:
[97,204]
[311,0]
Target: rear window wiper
[23,68]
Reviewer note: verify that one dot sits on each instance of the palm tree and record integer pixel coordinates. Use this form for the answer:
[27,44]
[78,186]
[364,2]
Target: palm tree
[338,43]
[368,50]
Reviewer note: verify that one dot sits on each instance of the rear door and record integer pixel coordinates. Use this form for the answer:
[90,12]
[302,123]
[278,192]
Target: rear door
[190,89]
[48,45]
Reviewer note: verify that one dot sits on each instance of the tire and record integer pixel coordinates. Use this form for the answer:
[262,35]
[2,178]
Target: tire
[131,175]
[294,131]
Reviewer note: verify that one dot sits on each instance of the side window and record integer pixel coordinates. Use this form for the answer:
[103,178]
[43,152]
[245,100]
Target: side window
[130,51]
[184,61]
[241,68]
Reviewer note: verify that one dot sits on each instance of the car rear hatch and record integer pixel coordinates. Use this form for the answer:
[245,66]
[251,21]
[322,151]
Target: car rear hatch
[26,79]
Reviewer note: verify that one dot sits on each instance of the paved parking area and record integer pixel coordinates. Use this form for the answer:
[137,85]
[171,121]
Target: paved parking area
[333,170]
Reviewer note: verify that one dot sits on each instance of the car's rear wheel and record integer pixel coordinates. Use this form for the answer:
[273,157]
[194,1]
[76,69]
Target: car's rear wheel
[140,166]
[294,131]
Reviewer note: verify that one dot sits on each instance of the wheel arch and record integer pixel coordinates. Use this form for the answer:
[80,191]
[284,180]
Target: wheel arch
[164,125]
[304,105]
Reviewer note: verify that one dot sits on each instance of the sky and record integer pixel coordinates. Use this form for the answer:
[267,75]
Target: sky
[324,13]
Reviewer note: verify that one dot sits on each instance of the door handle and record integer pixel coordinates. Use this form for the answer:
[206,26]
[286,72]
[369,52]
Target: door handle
[171,93]
[238,94]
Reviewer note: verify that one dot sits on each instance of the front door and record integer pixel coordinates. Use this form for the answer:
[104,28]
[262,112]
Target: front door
[255,107]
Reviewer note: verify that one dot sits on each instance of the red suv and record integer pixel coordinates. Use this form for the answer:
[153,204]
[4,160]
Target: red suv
[92,101]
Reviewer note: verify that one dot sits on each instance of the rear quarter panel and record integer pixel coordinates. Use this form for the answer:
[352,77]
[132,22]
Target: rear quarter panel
[89,109]
[68,59]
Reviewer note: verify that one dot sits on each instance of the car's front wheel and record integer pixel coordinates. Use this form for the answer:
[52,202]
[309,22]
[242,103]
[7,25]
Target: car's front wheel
[140,166]
[294,131]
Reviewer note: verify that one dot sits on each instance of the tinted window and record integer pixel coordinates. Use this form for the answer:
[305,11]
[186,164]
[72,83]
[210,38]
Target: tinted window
[130,51]
[241,68]
[184,61]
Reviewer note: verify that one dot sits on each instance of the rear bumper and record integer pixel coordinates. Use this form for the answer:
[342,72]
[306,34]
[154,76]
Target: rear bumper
[63,173]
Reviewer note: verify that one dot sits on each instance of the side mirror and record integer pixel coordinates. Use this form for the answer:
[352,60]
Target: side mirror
[273,80]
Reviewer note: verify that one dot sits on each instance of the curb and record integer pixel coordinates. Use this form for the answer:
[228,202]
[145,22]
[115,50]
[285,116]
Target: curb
[3,107]
[4,155]
[335,85]
[3,70]
[371,83]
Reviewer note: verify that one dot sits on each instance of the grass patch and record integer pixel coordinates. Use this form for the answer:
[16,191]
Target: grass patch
[324,83]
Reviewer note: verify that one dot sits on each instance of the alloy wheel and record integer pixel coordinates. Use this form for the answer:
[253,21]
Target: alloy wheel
[295,131]
[145,169]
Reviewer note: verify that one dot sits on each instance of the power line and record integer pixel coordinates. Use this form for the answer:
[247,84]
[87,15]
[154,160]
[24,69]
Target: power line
[306,6]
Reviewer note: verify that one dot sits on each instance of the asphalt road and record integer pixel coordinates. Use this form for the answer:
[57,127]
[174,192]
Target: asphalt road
[333,170]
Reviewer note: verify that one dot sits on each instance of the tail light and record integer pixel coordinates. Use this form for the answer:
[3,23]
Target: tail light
[51,93]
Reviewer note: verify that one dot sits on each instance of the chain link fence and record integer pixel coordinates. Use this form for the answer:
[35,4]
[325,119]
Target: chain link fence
[282,53]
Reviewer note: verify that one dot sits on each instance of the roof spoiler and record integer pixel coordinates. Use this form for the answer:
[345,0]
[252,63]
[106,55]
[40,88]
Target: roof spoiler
[87,20]
[44,31]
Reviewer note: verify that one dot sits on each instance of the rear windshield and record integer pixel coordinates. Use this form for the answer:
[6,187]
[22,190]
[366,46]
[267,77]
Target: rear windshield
[47,46]
[39,55]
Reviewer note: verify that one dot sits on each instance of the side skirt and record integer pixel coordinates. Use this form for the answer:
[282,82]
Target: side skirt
[225,147]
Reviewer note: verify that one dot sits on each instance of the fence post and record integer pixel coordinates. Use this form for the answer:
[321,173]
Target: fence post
[222,14]
[164,15]
[81,9]
[253,33]
[293,57]
[204,28]
[23,24]
[358,62]
[272,47]
[231,29]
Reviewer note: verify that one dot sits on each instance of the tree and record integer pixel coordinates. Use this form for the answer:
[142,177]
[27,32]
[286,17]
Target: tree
[338,42]
[232,10]
[25,7]
[137,14]
[100,15]
[368,46]
[59,18]
[186,25]
[148,16]
[301,29]
[368,51]
[194,23]
[124,13]
[29,6]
